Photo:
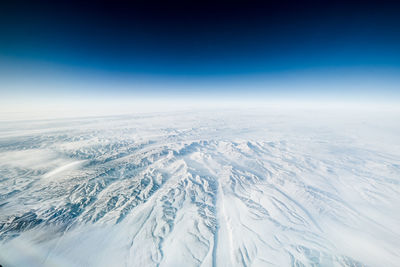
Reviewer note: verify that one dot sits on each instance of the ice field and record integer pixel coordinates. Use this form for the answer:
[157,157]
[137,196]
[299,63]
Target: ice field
[202,188]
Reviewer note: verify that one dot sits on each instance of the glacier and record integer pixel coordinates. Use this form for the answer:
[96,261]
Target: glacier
[248,187]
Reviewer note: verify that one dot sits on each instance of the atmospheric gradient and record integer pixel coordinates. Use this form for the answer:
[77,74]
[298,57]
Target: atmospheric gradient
[196,133]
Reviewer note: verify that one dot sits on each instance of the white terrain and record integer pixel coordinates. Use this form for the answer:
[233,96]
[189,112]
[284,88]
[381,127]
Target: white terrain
[202,188]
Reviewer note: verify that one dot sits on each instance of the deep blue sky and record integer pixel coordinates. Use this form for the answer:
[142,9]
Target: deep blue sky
[286,48]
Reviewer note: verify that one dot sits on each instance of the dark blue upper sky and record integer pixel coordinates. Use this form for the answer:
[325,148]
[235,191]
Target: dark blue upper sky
[264,46]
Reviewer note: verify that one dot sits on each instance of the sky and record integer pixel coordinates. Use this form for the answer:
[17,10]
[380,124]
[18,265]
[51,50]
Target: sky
[52,51]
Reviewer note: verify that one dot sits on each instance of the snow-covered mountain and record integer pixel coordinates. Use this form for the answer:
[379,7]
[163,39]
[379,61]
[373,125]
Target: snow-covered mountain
[206,188]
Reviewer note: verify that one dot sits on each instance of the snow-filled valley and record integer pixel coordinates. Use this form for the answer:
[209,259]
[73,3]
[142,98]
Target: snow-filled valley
[202,188]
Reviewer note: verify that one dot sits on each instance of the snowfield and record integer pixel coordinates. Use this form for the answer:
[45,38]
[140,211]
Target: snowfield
[207,188]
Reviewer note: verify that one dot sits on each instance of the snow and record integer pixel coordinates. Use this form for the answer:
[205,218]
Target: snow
[249,187]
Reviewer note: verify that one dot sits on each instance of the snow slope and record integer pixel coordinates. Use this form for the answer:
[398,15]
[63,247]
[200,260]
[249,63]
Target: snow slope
[205,188]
